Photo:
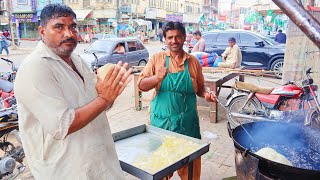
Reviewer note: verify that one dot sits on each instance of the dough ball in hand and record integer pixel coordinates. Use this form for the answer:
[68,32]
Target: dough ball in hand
[103,71]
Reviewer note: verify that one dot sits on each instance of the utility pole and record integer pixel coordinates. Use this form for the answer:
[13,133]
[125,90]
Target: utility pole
[10,17]
[118,16]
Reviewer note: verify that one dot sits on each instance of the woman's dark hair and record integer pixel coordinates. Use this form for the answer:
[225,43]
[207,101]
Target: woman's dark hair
[52,11]
[173,26]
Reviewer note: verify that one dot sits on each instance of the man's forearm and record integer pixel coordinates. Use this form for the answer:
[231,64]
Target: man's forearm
[148,83]
[84,115]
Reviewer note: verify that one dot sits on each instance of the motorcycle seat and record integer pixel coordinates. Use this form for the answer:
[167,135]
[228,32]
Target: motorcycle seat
[6,86]
[252,87]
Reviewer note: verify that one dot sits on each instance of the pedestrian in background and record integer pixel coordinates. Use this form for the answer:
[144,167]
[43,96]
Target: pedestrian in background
[280,37]
[6,33]
[200,46]
[160,34]
[3,43]
[232,56]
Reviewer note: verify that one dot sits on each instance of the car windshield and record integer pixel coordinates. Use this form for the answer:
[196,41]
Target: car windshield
[267,39]
[101,46]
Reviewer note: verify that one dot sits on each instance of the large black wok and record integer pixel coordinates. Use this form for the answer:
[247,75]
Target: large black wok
[300,145]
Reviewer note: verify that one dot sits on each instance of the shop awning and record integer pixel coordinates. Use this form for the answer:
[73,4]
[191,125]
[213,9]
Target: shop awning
[82,13]
[102,13]
[141,22]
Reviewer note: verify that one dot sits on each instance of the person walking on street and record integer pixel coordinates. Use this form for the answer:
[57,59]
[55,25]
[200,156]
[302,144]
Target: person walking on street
[177,78]
[280,37]
[160,33]
[3,43]
[200,46]
[232,56]
[62,105]
[6,33]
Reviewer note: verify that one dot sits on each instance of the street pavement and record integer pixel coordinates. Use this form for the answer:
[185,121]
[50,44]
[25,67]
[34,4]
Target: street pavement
[218,163]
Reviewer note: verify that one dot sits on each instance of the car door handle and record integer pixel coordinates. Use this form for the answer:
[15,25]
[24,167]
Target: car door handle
[243,48]
[214,46]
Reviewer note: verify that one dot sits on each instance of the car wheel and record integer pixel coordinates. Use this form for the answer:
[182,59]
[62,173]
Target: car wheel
[277,67]
[142,63]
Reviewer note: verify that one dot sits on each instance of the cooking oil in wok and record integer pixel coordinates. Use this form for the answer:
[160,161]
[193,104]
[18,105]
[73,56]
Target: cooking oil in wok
[301,157]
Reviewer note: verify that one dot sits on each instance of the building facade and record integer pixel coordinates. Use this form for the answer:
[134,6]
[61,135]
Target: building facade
[4,14]
[25,18]
[112,16]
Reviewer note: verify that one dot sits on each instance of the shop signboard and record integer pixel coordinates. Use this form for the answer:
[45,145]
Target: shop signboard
[176,17]
[25,17]
[161,13]
[125,9]
[187,18]
[151,13]
[222,18]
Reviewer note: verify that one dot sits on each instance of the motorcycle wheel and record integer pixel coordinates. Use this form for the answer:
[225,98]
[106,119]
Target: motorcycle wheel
[236,107]
[315,120]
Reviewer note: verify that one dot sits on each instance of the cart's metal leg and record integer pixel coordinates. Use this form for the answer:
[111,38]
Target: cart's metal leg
[190,170]
[213,105]
[137,94]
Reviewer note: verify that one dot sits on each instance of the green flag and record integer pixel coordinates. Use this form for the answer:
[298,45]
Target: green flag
[202,18]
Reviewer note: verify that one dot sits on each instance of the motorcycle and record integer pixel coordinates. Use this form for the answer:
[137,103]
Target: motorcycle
[9,76]
[11,159]
[7,98]
[290,102]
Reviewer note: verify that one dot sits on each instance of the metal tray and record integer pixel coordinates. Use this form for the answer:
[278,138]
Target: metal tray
[144,139]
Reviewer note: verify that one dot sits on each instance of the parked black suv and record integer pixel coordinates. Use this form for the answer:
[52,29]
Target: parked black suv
[258,51]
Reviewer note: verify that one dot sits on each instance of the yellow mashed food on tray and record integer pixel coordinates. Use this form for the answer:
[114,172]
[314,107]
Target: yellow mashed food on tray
[171,150]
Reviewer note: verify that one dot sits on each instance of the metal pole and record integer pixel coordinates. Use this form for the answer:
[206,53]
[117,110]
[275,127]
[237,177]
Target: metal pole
[302,18]
[10,10]
[118,16]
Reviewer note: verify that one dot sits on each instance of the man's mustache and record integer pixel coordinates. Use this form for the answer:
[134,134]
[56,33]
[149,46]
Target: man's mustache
[68,41]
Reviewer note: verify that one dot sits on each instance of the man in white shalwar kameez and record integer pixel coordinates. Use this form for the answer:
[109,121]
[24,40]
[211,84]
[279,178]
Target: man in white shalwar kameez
[62,106]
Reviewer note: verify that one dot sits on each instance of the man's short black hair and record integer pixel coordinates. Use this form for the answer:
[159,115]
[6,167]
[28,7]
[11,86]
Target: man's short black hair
[280,31]
[173,26]
[197,32]
[232,39]
[52,11]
